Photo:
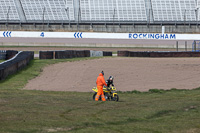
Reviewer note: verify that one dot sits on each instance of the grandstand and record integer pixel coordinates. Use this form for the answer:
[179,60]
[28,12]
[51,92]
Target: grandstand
[104,12]
[53,10]
[8,10]
[174,10]
[100,10]
[119,10]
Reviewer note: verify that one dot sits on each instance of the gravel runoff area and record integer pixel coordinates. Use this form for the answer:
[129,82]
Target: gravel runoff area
[129,74]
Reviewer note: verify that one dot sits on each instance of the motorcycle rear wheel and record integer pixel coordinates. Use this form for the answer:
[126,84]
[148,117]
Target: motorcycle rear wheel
[95,96]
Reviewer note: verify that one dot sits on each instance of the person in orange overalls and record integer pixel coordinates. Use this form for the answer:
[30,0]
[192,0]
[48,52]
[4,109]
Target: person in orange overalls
[100,83]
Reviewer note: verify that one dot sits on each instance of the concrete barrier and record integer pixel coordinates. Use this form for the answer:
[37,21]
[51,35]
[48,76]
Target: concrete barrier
[96,53]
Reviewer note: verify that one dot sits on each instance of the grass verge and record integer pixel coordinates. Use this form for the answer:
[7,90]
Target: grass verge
[39,111]
[2,61]
[156,111]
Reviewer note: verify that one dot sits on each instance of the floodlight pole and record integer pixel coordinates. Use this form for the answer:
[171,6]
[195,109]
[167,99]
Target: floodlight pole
[185,45]
[43,17]
[79,14]
[197,15]
[149,16]
[8,17]
[195,45]
[113,19]
[184,17]
[67,11]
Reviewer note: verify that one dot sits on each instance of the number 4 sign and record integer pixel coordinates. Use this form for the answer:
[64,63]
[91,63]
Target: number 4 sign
[42,34]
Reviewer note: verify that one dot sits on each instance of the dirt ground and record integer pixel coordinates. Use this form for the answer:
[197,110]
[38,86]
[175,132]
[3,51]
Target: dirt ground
[129,74]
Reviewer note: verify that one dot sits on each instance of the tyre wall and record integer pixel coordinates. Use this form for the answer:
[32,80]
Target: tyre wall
[71,54]
[46,54]
[2,54]
[139,54]
[10,54]
[123,53]
[7,54]
[158,54]
[18,62]
[107,53]
[65,54]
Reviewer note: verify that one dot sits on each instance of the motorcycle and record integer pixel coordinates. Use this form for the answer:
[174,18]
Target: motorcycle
[109,93]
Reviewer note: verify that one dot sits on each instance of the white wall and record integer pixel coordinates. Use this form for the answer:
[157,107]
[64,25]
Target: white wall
[101,35]
[96,53]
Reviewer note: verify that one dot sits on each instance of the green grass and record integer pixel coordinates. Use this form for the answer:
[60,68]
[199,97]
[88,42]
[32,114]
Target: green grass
[2,61]
[39,111]
[156,111]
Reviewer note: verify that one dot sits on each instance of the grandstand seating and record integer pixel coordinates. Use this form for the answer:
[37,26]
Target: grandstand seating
[101,10]
[106,10]
[174,10]
[4,7]
[198,9]
[54,9]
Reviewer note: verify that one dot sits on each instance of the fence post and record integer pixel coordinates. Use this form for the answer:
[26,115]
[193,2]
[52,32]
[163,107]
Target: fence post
[176,45]
[195,48]
[185,45]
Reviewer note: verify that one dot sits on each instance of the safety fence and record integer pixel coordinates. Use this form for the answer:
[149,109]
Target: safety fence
[158,54]
[65,54]
[18,62]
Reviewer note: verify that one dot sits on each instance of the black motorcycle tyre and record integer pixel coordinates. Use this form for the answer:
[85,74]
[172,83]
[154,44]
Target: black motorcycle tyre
[115,98]
[108,98]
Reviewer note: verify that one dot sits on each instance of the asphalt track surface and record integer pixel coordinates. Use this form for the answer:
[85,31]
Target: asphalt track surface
[92,41]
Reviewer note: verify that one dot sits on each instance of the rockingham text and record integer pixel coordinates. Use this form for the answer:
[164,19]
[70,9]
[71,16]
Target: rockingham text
[151,36]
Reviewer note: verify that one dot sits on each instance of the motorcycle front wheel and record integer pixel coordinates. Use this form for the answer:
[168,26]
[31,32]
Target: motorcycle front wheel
[116,98]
